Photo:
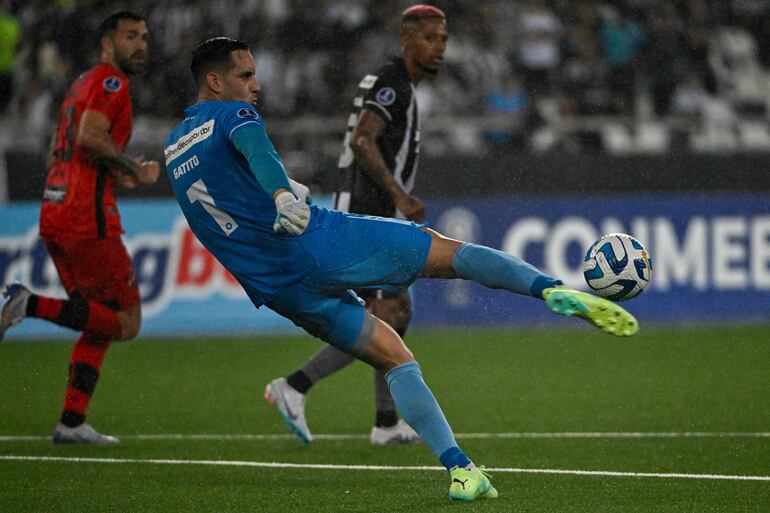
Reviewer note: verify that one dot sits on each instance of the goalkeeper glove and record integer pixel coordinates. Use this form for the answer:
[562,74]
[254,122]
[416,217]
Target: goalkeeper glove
[292,215]
[301,191]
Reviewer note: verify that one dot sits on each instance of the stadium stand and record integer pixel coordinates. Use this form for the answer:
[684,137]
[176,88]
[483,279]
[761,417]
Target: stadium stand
[620,77]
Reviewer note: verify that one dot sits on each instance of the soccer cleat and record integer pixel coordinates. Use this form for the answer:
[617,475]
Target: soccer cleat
[14,308]
[83,434]
[401,433]
[602,313]
[470,483]
[291,404]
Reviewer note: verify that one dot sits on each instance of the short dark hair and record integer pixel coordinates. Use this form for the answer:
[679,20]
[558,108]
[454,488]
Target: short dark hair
[214,54]
[110,23]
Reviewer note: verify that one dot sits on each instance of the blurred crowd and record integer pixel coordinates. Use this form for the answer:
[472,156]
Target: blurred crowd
[521,60]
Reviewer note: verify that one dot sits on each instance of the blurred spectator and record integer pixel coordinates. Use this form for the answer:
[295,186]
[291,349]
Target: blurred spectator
[180,20]
[692,101]
[541,59]
[76,32]
[699,32]
[10,34]
[754,15]
[740,77]
[623,39]
[507,103]
[538,50]
[35,112]
[585,78]
[666,57]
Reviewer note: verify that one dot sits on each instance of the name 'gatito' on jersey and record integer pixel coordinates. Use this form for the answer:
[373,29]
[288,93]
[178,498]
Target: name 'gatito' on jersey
[225,205]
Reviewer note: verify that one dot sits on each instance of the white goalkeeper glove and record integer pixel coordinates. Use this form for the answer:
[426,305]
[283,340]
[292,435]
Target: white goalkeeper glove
[293,215]
[301,191]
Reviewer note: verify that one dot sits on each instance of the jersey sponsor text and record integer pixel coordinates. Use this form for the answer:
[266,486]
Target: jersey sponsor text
[188,140]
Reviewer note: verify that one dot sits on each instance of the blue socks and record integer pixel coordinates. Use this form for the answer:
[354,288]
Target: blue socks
[454,457]
[418,407]
[498,270]
[414,400]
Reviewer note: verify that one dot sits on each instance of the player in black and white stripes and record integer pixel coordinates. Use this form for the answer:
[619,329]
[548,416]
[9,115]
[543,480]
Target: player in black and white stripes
[379,165]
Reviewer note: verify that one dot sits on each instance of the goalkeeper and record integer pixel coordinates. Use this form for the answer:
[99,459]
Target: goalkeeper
[302,262]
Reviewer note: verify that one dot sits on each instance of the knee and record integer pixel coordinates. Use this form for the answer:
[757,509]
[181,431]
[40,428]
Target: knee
[393,360]
[386,349]
[130,331]
[130,324]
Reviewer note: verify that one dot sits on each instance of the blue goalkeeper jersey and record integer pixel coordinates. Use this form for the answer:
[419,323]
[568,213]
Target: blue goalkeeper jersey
[226,207]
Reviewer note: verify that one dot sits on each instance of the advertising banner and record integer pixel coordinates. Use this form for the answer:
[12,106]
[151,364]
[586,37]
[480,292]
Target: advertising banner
[710,254]
[184,289]
[710,257]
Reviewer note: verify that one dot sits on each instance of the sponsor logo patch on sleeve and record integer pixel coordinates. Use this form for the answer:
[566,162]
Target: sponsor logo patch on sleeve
[247,113]
[112,84]
[386,96]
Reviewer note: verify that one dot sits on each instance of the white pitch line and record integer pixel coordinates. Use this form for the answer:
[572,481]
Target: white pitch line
[311,466]
[465,436]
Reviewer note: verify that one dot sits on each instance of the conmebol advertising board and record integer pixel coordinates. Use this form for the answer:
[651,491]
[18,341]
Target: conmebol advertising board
[711,261]
[710,254]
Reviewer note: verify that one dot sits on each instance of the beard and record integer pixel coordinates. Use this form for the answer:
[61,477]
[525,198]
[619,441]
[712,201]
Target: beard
[124,62]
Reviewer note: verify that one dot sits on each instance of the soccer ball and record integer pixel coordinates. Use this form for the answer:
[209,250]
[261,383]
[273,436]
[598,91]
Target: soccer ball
[617,267]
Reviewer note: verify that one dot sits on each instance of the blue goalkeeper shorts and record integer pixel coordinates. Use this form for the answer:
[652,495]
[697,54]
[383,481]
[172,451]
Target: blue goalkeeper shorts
[353,252]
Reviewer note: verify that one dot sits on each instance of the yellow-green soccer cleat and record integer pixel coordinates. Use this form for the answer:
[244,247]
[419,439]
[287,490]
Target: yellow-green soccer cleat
[470,483]
[602,313]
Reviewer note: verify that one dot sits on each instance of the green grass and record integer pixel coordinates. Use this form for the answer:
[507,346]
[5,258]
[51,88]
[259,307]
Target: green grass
[715,379]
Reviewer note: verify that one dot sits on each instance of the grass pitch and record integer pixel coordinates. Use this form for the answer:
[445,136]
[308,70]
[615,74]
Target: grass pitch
[667,401]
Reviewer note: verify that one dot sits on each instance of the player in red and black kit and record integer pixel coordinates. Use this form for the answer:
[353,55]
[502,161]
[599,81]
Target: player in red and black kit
[80,223]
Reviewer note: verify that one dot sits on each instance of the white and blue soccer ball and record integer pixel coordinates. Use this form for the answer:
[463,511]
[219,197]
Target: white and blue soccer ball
[617,267]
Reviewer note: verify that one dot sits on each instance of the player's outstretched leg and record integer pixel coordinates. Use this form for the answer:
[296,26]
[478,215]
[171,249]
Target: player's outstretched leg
[498,270]
[291,405]
[14,307]
[604,314]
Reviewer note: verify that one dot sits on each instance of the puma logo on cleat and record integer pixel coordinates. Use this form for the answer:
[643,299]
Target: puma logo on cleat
[455,480]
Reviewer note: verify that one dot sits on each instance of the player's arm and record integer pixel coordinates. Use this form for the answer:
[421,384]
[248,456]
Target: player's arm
[292,215]
[94,136]
[367,153]
[50,157]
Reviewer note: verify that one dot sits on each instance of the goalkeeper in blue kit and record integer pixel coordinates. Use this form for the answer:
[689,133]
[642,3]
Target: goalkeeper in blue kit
[302,261]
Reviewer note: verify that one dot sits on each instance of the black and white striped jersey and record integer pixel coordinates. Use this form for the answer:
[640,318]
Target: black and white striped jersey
[390,94]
